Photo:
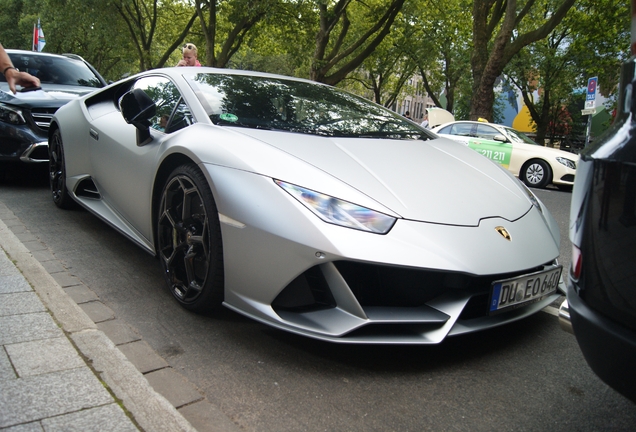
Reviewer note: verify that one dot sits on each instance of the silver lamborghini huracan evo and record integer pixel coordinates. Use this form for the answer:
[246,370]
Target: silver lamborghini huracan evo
[305,207]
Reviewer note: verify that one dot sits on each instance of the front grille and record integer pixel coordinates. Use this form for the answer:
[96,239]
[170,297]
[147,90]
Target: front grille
[42,117]
[386,286]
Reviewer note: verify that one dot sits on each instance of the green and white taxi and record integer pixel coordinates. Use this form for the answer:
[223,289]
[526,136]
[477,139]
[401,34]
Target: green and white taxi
[537,166]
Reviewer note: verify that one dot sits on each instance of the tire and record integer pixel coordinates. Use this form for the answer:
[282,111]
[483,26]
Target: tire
[536,174]
[189,240]
[57,173]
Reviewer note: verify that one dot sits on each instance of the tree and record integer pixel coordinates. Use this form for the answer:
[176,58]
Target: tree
[10,32]
[497,39]
[75,26]
[384,73]
[156,31]
[341,45]
[233,19]
[592,40]
[547,67]
[443,53]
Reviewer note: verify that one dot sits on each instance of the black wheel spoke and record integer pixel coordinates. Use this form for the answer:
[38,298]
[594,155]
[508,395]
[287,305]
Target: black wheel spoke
[57,173]
[183,238]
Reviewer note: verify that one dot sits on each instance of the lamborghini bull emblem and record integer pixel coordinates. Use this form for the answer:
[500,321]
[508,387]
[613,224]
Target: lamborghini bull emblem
[504,232]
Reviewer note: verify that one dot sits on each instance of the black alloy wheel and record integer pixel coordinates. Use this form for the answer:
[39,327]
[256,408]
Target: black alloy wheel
[57,173]
[189,240]
[536,174]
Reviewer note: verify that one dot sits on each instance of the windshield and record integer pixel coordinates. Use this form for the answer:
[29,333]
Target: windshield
[55,70]
[293,106]
[519,137]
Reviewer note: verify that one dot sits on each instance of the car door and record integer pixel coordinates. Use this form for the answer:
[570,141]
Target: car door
[484,142]
[123,171]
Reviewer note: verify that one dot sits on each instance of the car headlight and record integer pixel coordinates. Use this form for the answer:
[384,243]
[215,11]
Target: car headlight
[567,162]
[11,115]
[338,212]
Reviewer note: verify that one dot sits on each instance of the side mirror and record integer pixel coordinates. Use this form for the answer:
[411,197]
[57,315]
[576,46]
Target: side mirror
[138,108]
[500,138]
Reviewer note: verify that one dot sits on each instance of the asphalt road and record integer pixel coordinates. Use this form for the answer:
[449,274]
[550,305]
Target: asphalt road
[528,376]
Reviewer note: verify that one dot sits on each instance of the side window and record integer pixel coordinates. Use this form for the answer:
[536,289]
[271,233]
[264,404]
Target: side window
[172,112]
[486,132]
[461,129]
[181,118]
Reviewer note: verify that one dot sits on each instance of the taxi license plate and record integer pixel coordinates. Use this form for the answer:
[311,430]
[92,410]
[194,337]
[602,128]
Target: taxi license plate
[521,291]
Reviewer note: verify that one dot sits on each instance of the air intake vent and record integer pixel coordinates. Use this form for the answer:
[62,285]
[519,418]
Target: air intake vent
[87,189]
[42,117]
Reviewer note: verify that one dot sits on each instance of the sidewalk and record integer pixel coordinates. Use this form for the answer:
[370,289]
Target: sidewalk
[58,371]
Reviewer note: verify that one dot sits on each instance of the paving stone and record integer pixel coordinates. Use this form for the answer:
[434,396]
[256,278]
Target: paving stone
[27,427]
[22,302]
[43,356]
[12,284]
[17,227]
[118,331]
[109,418]
[97,311]
[66,279]
[173,387]
[41,396]
[142,356]
[7,268]
[27,327]
[14,221]
[52,266]
[81,294]
[206,417]
[43,255]
[6,370]
[27,237]
[34,245]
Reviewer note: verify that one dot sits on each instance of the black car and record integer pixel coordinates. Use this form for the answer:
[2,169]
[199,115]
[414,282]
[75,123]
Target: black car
[25,116]
[601,297]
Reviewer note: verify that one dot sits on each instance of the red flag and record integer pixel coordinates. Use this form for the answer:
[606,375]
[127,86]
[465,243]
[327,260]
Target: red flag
[35,38]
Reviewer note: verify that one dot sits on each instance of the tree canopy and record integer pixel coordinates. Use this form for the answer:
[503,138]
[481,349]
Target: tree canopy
[461,49]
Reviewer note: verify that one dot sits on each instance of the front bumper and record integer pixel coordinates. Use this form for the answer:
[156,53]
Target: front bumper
[22,143]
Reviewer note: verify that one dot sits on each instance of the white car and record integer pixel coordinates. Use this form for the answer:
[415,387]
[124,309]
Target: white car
[536,165]
[305,207]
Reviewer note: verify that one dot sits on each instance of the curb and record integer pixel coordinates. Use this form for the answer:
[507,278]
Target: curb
[151,410]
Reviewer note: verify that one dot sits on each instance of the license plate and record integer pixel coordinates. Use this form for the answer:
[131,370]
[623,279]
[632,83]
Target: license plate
[523,290]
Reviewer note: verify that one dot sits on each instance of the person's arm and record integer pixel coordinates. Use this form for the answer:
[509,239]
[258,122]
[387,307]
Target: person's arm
[14,76]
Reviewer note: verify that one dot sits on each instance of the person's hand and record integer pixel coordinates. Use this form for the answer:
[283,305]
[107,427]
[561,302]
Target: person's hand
[15,77]
[182,63]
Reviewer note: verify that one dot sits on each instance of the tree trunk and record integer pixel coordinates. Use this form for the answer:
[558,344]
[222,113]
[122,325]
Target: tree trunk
[489,58]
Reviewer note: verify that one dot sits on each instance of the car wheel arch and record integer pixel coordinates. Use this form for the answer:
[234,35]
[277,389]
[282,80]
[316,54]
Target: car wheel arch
[163,172]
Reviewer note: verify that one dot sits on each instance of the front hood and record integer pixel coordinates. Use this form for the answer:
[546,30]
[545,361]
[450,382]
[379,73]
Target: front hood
[438,181]
[48,96]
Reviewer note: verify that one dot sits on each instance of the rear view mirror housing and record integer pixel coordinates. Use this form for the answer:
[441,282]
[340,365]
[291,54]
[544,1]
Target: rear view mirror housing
[138,108]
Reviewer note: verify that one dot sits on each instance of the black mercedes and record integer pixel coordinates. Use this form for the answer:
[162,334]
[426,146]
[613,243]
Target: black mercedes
[25,116]
[601,296]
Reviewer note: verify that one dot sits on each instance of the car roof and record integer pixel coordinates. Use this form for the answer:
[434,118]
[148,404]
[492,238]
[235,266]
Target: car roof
[496,125]
[36,53]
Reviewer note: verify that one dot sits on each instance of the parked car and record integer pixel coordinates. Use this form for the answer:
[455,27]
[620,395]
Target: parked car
[601,297]
[536,165]
[25,116]
[305,207]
